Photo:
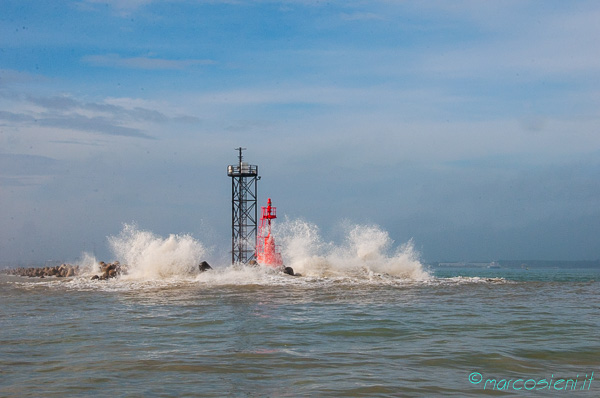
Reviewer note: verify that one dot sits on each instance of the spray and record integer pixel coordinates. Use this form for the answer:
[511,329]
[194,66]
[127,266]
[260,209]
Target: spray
[149,256]
[365,251]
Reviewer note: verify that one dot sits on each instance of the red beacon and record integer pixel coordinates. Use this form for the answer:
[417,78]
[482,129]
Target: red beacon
[266,250]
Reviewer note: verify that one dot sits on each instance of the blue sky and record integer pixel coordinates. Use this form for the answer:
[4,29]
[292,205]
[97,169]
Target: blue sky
[470,127]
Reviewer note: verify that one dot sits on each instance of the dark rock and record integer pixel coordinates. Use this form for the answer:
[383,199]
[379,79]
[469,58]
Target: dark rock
[111,270]
[204,266]
[288,271]
[63,271]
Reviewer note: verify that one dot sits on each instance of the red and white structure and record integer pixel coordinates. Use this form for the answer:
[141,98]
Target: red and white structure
[266,250]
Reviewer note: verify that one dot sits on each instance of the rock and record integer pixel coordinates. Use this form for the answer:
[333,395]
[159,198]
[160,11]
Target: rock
[111,270]
[66,270]
[288,271]
[204,266]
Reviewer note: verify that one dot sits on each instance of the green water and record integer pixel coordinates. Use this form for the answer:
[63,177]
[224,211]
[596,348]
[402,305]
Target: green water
[289,337]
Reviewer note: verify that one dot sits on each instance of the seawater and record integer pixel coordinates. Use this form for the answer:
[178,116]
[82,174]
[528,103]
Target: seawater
[366,319]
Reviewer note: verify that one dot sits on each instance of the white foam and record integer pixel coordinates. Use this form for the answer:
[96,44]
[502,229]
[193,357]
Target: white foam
[367,250]
[243,275]
[149,256]
[88,264]
[366,255]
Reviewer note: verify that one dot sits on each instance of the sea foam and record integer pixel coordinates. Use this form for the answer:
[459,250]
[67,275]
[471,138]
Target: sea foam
[364,253]
[150,256]
[365,250]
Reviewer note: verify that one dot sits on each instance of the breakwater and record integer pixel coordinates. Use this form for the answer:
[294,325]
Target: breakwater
[59,271]
[103,271]
[107,271]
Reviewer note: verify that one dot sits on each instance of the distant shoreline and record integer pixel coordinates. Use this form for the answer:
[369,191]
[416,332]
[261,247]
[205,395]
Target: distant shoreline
[519,264]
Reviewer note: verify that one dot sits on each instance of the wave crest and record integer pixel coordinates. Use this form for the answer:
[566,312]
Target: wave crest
[149,256]
[366,250]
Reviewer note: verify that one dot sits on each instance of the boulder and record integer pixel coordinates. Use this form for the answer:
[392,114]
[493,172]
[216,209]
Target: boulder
[110,270]
[204,266]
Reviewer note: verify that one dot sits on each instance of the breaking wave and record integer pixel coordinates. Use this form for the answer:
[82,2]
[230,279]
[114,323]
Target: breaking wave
[149,256]
[366,250]
[366,254]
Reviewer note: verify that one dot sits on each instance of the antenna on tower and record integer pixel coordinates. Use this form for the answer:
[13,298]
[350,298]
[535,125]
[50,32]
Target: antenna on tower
[240,156]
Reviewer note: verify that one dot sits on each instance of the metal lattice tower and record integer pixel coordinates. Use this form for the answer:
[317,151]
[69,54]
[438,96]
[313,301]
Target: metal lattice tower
[244,211]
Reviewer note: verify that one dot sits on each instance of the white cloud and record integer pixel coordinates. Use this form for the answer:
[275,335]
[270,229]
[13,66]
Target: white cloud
[522,42]
[64,118]
[11,77]
[122,8]
[362,16]
[116,61]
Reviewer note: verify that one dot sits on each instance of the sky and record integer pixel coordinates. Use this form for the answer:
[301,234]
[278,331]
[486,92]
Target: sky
[470,127]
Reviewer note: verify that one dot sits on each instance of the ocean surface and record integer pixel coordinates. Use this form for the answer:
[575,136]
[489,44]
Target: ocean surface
[338,330]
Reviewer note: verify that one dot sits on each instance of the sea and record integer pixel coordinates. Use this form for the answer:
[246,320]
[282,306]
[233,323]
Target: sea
[367,318]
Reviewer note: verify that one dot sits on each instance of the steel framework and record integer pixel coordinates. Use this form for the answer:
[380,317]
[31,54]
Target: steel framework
[244,211]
